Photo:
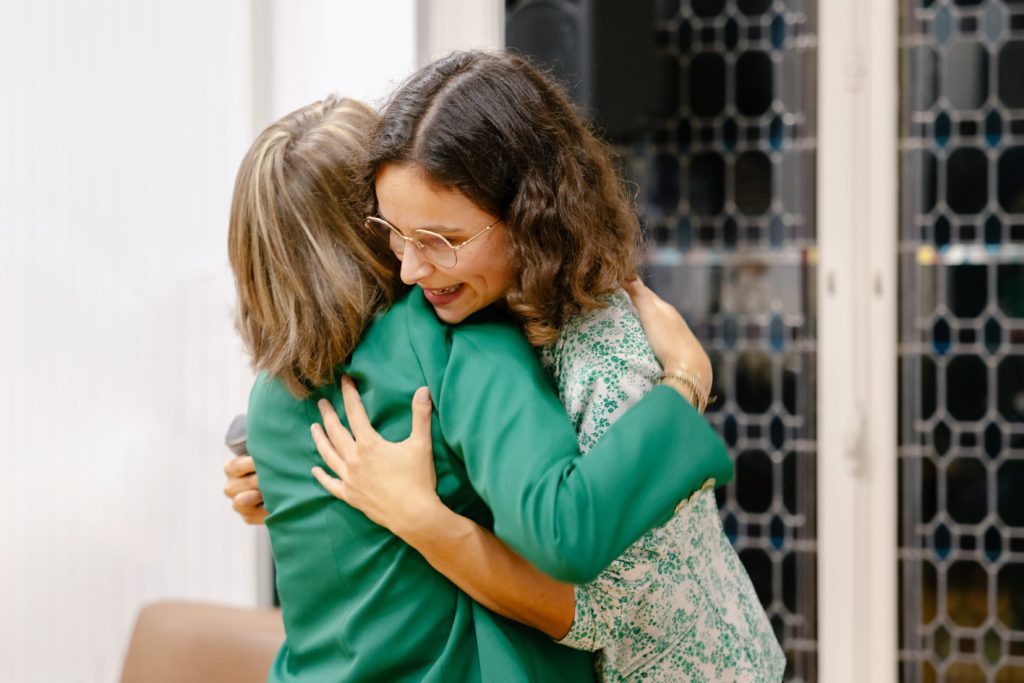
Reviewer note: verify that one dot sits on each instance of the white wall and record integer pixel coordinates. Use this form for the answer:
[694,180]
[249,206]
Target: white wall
[446,25]
[123,123]
[358,49]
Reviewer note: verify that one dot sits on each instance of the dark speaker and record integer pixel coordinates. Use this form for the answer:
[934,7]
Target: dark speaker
[601,50]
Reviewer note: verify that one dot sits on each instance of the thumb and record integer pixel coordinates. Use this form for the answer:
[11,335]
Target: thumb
[421,411]
[642,296]
[634,287]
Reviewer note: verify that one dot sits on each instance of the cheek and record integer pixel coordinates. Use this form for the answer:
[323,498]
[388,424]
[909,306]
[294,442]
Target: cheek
[499,276]
[500,266]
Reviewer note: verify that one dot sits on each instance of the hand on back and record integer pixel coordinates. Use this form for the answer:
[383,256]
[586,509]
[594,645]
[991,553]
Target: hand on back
[392,483]
[671,338]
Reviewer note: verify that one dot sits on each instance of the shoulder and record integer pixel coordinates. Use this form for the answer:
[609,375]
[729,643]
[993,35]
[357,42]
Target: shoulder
[277,420]
[485,354]
[602,364]
[490,344]
[611,336]
[615,323]
[489,333]
[491,324]
[489,338]
[269,395]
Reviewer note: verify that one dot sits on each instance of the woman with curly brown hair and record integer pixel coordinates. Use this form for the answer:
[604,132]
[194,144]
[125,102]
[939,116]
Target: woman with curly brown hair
[481,153]
[317,302]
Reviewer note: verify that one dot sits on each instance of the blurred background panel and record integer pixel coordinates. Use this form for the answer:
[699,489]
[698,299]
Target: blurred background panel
[718,136]
[961,258]
[726,171]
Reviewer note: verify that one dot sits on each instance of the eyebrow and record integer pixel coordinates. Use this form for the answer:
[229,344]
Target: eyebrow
[444,229]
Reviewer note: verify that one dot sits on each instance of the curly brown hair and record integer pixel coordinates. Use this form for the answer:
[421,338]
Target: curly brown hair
[504,134]
[309,276]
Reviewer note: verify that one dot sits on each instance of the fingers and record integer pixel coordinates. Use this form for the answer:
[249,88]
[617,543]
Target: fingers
[635,288]
[652,309]
[339,436]
[240,466]
[327,451]
[362,430]
[249,505]
[336,487]
[645,300]
[257,516]
[421,410]
[241,473]
[639,292]
[237,485]
[254,515]
[243,488]
[246,501]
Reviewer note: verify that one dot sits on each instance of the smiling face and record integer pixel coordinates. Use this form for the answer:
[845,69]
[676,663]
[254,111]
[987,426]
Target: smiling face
[409,201]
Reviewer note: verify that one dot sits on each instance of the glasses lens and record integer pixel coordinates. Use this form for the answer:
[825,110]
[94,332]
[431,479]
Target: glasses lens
[395,241]
[436,248]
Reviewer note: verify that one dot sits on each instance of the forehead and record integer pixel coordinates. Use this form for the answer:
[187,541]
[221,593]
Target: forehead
[408,199]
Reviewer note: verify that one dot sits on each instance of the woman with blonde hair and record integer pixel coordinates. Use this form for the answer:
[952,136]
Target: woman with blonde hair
[317,301]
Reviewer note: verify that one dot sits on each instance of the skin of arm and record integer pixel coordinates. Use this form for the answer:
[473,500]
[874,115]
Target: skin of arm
[491,573]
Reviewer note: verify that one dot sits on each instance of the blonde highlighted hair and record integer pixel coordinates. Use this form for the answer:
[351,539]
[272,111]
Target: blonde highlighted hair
[309,276]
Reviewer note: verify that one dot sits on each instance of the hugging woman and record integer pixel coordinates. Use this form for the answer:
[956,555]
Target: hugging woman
[506,214]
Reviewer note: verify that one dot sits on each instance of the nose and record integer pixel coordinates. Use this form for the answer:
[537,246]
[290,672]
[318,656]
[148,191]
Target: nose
[414,266]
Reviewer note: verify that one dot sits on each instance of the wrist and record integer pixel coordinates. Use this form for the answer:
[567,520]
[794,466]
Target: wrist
[699,366]
[683,390]
[696,359]
[420,519]
[690,385]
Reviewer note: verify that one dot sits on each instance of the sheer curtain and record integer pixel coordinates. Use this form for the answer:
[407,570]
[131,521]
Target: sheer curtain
[123,125]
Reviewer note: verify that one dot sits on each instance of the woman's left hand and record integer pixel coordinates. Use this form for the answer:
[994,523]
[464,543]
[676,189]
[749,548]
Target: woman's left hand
[393,484]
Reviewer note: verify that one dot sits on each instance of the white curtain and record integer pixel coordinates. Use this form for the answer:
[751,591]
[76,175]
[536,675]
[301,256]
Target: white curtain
[121,126]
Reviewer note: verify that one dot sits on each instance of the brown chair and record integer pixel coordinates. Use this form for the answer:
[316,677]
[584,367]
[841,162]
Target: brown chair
[179,642]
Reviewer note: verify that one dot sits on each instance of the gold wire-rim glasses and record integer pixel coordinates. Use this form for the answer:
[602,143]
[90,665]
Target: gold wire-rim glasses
[431,254]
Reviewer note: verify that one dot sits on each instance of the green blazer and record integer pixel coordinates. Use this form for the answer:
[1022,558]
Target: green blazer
[361,605]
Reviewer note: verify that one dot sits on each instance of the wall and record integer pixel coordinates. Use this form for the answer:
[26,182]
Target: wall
[123,124]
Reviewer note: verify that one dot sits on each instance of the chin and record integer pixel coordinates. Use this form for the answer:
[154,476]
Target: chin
[452,317]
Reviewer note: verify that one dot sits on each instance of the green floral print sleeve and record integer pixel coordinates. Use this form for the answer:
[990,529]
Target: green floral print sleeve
[678,604]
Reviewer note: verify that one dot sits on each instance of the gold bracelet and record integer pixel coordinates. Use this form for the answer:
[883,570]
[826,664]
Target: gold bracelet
[690,393]
[690,379]
[695,378]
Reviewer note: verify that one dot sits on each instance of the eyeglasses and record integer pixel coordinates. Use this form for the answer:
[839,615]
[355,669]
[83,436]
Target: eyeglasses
[434,247]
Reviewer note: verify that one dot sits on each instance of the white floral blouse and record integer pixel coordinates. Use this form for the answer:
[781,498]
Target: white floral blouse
[678,604]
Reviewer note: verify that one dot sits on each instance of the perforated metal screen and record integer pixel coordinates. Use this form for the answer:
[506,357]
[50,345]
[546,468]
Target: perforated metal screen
[726,175]
[962,341]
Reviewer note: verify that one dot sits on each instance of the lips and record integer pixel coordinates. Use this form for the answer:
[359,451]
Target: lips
[445,295]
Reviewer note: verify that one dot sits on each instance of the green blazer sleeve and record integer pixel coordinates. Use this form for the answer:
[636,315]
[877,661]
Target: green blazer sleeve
[568,515]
